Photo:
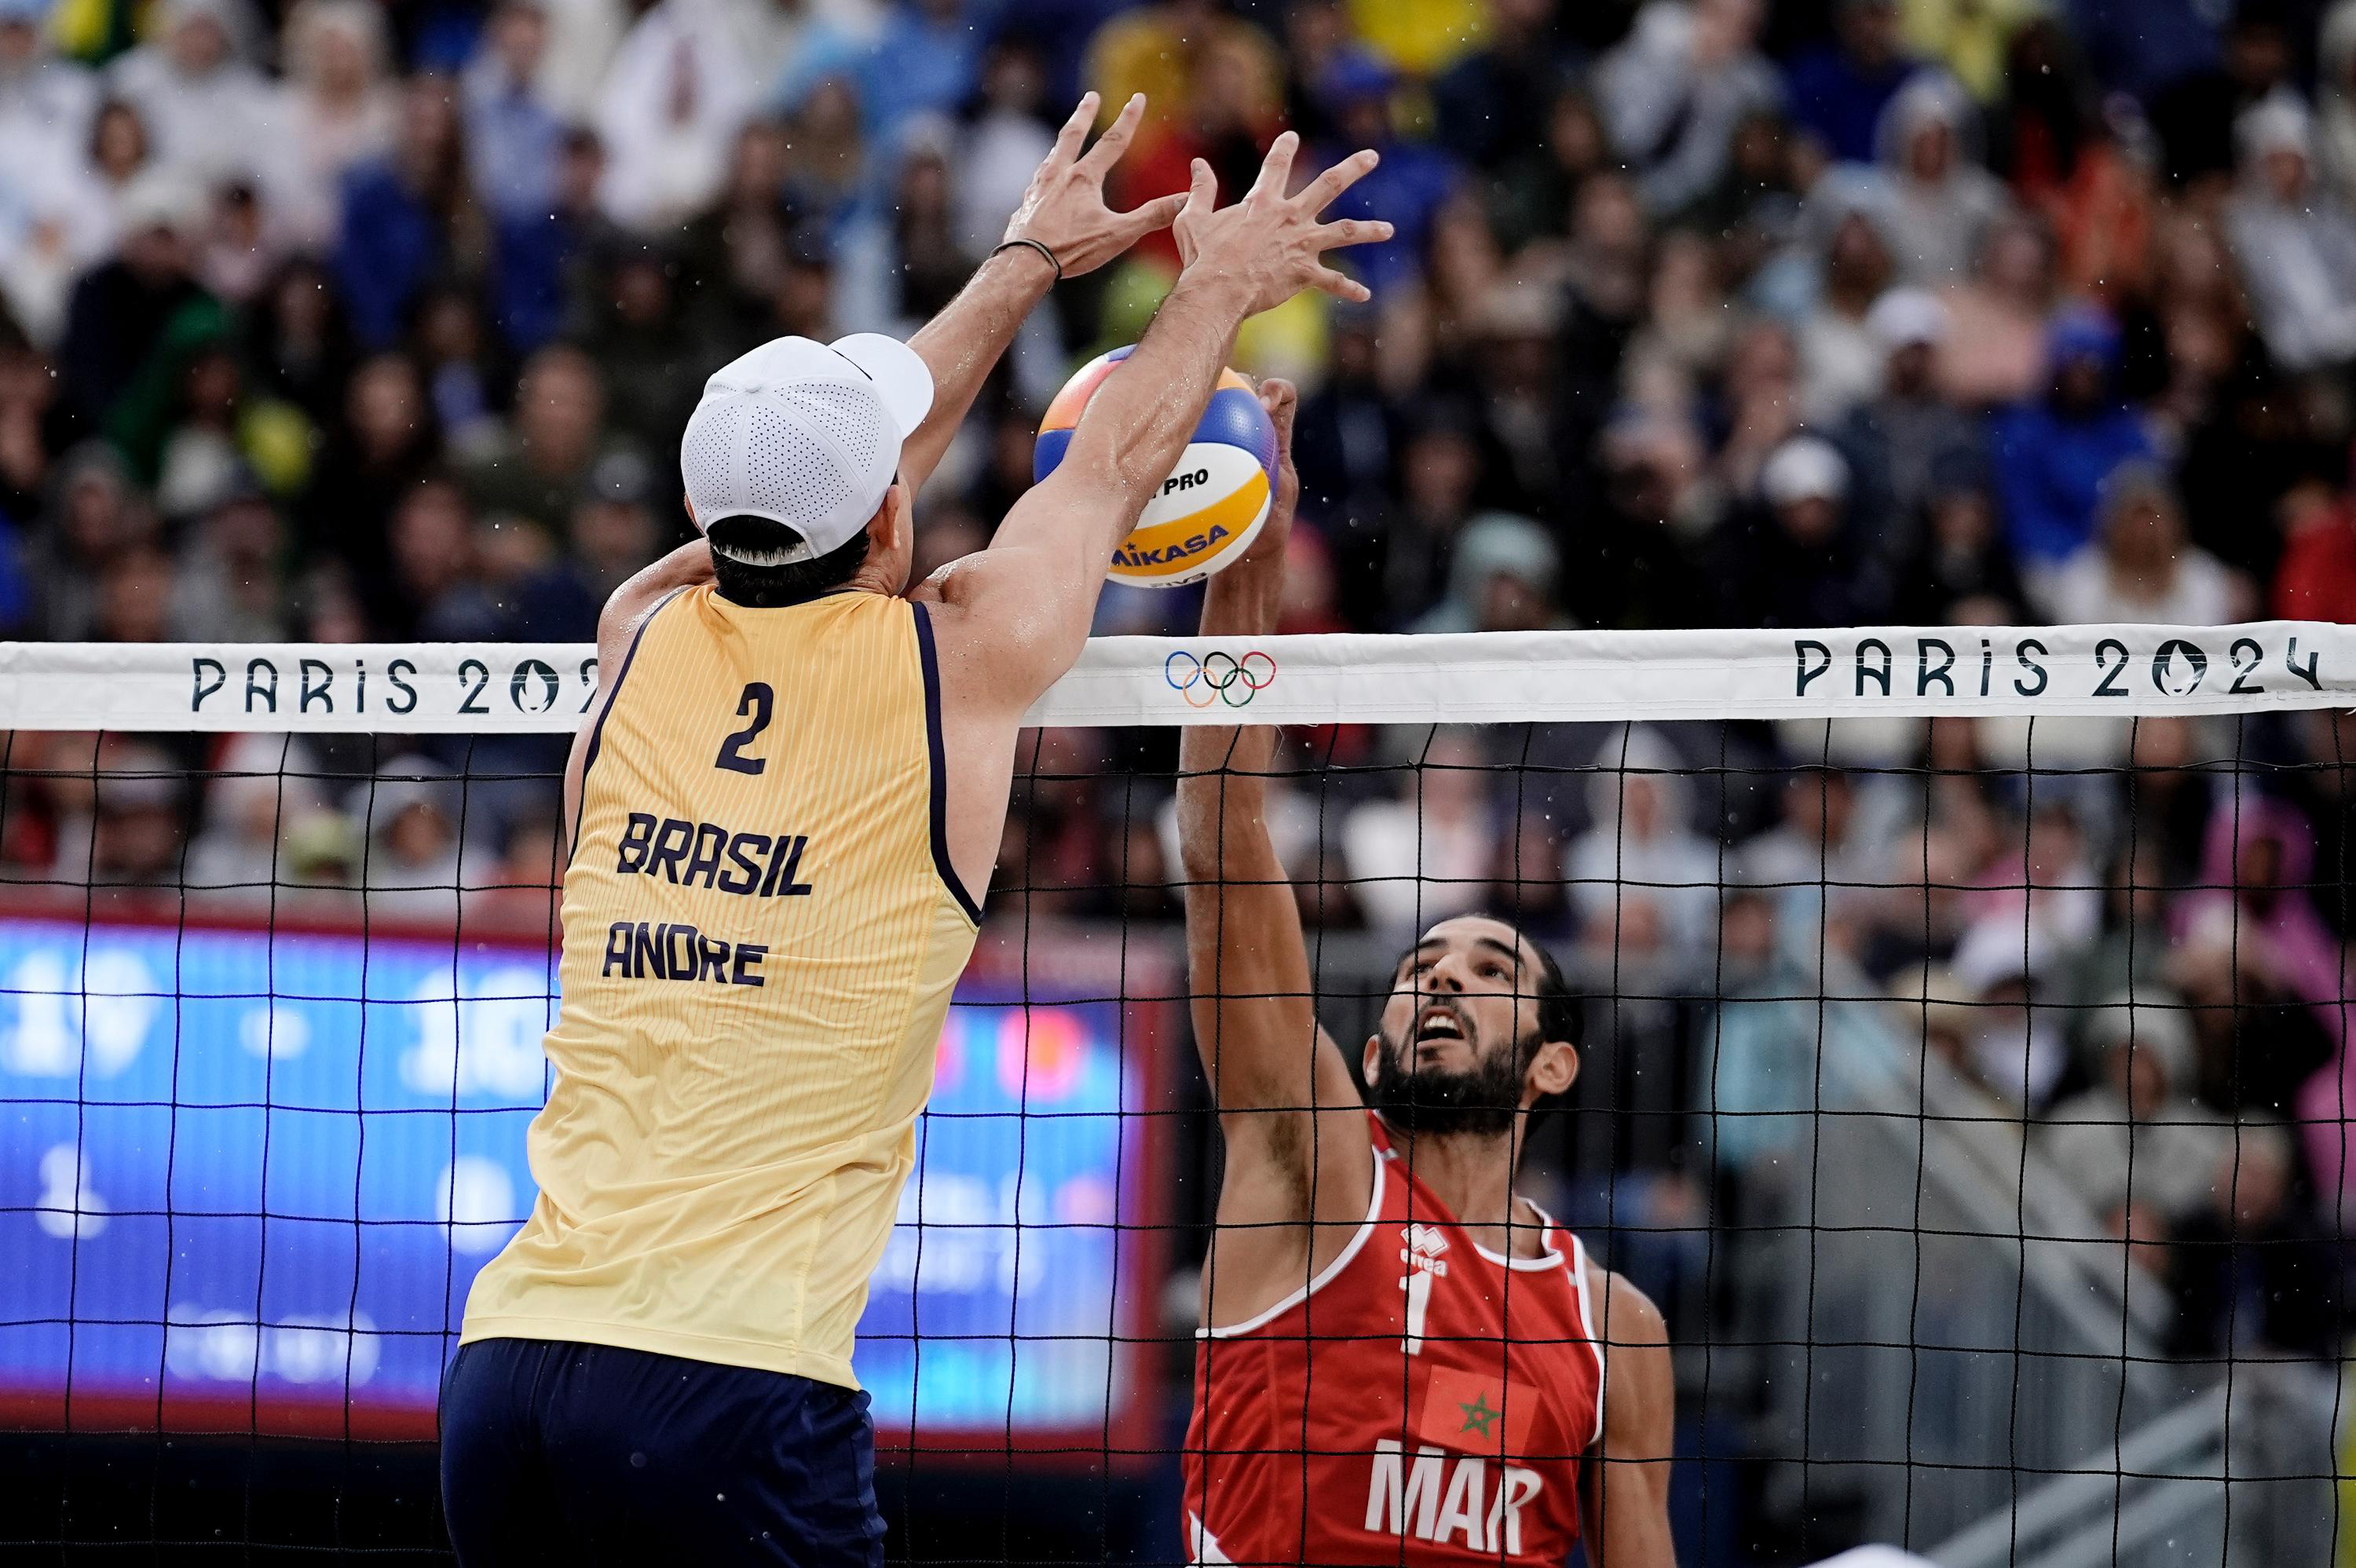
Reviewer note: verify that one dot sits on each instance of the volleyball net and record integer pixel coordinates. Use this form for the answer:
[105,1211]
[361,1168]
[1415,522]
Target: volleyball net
[1966,1023]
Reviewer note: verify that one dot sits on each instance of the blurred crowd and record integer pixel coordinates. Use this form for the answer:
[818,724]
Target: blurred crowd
[340,320]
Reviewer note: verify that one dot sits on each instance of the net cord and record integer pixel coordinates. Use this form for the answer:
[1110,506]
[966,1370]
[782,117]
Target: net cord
[1474,678]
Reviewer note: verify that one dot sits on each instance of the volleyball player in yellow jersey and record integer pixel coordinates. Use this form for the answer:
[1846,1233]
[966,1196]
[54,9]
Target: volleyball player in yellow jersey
[787,809]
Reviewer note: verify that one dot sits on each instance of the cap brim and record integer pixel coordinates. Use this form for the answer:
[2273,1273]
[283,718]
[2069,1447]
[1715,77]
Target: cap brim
[900,375]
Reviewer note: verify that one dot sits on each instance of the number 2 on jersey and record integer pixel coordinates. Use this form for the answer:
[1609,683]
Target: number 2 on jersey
[761,703]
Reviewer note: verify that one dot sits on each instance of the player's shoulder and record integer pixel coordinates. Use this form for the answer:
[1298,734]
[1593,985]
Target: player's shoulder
[985,640]
[1625,1314]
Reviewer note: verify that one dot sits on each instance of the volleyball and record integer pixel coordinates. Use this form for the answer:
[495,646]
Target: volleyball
[1208,510]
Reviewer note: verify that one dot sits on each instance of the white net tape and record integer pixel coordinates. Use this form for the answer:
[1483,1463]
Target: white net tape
[1474,678]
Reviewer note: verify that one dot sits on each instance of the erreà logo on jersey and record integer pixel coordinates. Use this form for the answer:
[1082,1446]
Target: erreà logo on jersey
[1424,1245]
[1192,544]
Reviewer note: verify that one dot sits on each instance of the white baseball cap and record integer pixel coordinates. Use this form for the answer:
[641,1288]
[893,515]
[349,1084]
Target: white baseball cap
[1907,317]
[805,434]
[1804,468]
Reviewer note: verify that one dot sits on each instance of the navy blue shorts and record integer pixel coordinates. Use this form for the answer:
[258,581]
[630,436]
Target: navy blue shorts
[587,1454]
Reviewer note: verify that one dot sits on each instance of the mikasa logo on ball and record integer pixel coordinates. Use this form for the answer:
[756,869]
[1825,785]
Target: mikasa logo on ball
[1193,544]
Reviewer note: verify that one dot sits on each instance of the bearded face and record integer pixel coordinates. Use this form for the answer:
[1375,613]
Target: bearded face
[1417,1094]
[1459,1049]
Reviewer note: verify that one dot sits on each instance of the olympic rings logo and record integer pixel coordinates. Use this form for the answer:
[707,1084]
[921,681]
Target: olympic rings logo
[1218,677]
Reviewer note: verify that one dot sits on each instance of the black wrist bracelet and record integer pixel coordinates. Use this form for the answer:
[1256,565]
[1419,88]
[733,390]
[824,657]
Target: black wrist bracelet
[1009,245]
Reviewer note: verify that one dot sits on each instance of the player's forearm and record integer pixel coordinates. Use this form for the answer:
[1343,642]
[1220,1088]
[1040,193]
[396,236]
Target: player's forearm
[965,342]
[1222,789]
[1139,421]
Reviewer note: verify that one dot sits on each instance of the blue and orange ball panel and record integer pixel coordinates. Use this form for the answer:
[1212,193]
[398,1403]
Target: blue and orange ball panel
[1212,504]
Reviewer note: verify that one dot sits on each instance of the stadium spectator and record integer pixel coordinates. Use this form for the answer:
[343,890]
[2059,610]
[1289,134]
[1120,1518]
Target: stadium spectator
[2317,580]
[46,103]
[2139,1138]
[338,107]
[1503,576]
[1228,111]
[534,468]
[1839,88]
[678,89]
[2140,566]
[1643,882]
[228,587]
[211,112]
[1493,103]
[2016,1050]
[1795,558]
[613,533]
[1001,143]
[1533,190]
[2053,455]
[46,232]
[1937,199]
[1413,182]
[924,62]
[434,589]
[1903,442]
[1820,853]
[403,215]
[123,310]
[2295,242]
[2090,181]
[2173,799]
[1426,853]
[261,785]
[1162,50]
[136,835]
[1349,431]
[1841,356]
[1674,92]
[2193,109]
[904,261]
[1997,319]
[2335,101]
[515,136]
[1771,1054]
[410,812]
[1401,561]
[29,414]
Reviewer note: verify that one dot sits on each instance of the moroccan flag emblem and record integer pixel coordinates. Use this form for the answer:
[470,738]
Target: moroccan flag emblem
[1479,1413]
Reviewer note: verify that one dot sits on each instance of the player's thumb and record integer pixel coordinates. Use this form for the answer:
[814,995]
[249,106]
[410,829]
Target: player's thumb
[1202,189]
[1282,399]
[1155,215]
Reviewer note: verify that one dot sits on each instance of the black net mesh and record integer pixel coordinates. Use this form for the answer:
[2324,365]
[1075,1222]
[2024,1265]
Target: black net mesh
[1968,1095]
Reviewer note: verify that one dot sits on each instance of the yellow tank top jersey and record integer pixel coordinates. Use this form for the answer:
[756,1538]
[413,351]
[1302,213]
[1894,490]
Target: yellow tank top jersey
[761,933]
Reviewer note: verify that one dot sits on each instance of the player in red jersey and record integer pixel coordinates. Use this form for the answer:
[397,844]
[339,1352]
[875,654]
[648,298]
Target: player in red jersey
[1403,1362]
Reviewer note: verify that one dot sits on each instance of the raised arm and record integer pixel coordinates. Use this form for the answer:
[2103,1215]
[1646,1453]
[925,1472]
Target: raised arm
[1625,1482]
[1063,215]
[1022,606]
[1299,1173]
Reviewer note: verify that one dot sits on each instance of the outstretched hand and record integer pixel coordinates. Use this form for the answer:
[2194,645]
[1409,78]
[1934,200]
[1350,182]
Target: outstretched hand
[1271,243]
[1064,207]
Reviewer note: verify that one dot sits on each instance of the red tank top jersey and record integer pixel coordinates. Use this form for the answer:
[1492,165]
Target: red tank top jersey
[1423,1400]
